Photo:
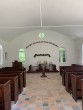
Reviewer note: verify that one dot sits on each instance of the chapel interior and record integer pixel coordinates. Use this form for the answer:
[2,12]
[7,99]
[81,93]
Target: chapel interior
[41,55]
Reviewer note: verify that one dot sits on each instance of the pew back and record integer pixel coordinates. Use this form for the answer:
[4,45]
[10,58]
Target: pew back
[13,85]
[68,80]
[76,86]
[20,79]
[5,99]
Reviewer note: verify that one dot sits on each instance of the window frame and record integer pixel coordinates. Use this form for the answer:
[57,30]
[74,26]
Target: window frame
[62,58]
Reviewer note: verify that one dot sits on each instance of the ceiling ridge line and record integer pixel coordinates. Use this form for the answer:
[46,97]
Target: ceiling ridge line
[40,14]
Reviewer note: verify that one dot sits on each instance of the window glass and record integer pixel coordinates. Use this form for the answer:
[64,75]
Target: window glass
[21,55]
[62,57]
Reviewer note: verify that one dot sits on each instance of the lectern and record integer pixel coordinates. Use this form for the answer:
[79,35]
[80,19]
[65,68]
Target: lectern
[43,70]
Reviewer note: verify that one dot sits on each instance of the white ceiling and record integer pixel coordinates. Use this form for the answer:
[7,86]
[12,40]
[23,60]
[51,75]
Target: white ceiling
[21,16]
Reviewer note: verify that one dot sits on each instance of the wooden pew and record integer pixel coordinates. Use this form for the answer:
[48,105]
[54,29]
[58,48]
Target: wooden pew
[76,86]
[76,65]
[14,85]
[82,91]
[14,68]
[5,99]
[72,65]
[64,72]
[9,69]
[20,79]
[70,69]
[61,68]
[23,75]
[68,80]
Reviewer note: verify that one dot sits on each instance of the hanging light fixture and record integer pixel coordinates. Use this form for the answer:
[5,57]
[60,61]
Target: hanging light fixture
[41,34]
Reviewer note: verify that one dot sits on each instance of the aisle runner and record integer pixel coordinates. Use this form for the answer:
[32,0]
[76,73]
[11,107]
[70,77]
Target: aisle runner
[45,94]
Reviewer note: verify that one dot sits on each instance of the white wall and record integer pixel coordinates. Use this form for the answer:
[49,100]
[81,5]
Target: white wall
[5,49]
[78,43]
[42,48]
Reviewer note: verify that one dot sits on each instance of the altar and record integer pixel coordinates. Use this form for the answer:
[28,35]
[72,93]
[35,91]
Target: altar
[38,69]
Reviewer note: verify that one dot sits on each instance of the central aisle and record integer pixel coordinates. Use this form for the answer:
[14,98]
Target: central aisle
[46,94]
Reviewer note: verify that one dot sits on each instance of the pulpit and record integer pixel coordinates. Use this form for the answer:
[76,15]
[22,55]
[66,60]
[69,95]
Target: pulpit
[17,64]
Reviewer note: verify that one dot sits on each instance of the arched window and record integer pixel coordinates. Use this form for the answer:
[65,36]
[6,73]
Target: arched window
[62,57]
[21,55]
[1,55]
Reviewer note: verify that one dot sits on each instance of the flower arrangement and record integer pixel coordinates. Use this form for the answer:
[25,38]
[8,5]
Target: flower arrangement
[45,63]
